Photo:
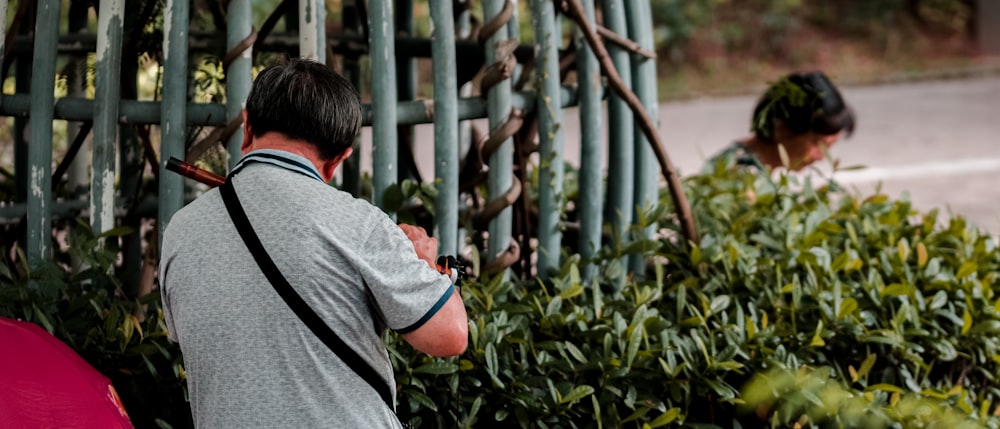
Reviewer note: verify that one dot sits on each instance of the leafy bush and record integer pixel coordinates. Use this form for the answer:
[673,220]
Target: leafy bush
[813,395]
[786,276]
[895,309]
[85,307]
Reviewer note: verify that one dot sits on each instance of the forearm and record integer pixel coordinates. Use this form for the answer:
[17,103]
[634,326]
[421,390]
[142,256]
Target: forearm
[446,333]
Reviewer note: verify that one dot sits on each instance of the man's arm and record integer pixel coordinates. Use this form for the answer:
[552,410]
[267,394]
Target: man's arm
[447,332]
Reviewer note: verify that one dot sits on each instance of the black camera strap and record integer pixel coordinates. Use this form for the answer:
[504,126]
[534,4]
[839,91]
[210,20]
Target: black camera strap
[295,302]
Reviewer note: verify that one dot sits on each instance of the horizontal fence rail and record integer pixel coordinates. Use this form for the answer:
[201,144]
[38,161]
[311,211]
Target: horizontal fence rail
[498,190]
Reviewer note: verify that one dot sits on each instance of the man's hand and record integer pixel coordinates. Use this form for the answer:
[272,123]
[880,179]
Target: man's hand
[425,246]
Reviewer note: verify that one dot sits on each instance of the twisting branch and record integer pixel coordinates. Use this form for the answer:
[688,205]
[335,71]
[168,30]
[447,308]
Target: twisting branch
[684,215]
[626,43]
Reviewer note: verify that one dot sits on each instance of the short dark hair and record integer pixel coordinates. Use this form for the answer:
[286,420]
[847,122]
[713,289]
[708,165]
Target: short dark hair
[305,100]
[803,103]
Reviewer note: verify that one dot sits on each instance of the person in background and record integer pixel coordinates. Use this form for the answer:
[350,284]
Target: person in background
[795,122]
[250,361]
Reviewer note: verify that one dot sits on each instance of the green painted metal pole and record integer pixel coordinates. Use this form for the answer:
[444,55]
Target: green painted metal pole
[548,38]
[107,92]
[238,75]
[621,132]
[501,162]
[43,82]
[312,30]
[131,111]
[445,126]
[640,29]
[173,124]
[204,114]
[591,149]
[385,153]
[321,31]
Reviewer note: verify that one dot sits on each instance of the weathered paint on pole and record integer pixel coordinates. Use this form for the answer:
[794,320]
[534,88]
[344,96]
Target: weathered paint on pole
[445,126]
[383,66]
[501,162]
[238,75]
[175,62]
[621,136]
[43,82]
[548,39]
[640,30]
[107,93]
[591,150]
[312,30]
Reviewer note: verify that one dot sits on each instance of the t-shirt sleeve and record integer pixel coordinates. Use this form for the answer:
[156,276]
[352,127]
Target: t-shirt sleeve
[407,291]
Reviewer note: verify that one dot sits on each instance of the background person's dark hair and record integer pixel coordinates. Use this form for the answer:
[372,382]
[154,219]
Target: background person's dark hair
[305,100]
[803,103]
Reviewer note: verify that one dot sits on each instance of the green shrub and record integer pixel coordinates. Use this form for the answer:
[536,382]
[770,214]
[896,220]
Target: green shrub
[896,309]
[85,307]
[786,276]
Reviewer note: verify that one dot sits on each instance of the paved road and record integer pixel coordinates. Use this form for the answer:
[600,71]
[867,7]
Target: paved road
[939,141]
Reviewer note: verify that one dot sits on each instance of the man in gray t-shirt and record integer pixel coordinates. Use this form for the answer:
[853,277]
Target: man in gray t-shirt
[250,361]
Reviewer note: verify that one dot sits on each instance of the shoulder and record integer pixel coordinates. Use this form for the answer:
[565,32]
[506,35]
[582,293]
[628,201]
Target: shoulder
[204,207]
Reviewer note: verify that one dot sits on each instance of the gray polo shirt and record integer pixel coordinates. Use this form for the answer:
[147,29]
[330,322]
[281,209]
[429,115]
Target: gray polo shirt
[250,361]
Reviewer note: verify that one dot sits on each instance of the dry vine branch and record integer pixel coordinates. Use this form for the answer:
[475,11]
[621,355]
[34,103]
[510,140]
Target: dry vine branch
[684,215]
[624,42]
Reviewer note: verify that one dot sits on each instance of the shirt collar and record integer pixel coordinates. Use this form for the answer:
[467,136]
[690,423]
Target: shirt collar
[280,158]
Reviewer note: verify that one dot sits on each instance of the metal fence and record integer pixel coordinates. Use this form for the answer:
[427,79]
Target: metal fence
[523,90]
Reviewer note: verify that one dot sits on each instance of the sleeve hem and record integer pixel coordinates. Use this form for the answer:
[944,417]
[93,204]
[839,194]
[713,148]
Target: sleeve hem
[430,313]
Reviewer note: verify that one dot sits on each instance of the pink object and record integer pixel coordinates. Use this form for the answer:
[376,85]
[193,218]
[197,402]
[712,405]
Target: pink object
[44,384]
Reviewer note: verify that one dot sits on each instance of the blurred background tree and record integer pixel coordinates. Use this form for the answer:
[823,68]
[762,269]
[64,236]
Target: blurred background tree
[723,46]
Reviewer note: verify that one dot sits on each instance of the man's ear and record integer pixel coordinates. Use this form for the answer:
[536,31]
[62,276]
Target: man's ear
[329,167]
[247,134]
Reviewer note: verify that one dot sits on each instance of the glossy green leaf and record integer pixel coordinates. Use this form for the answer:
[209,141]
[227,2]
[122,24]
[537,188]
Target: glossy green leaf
[967,269]
[421,399]
[438,368]
[666,418]
[576,394]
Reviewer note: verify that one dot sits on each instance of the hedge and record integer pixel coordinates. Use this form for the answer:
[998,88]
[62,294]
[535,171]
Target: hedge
[893,311]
